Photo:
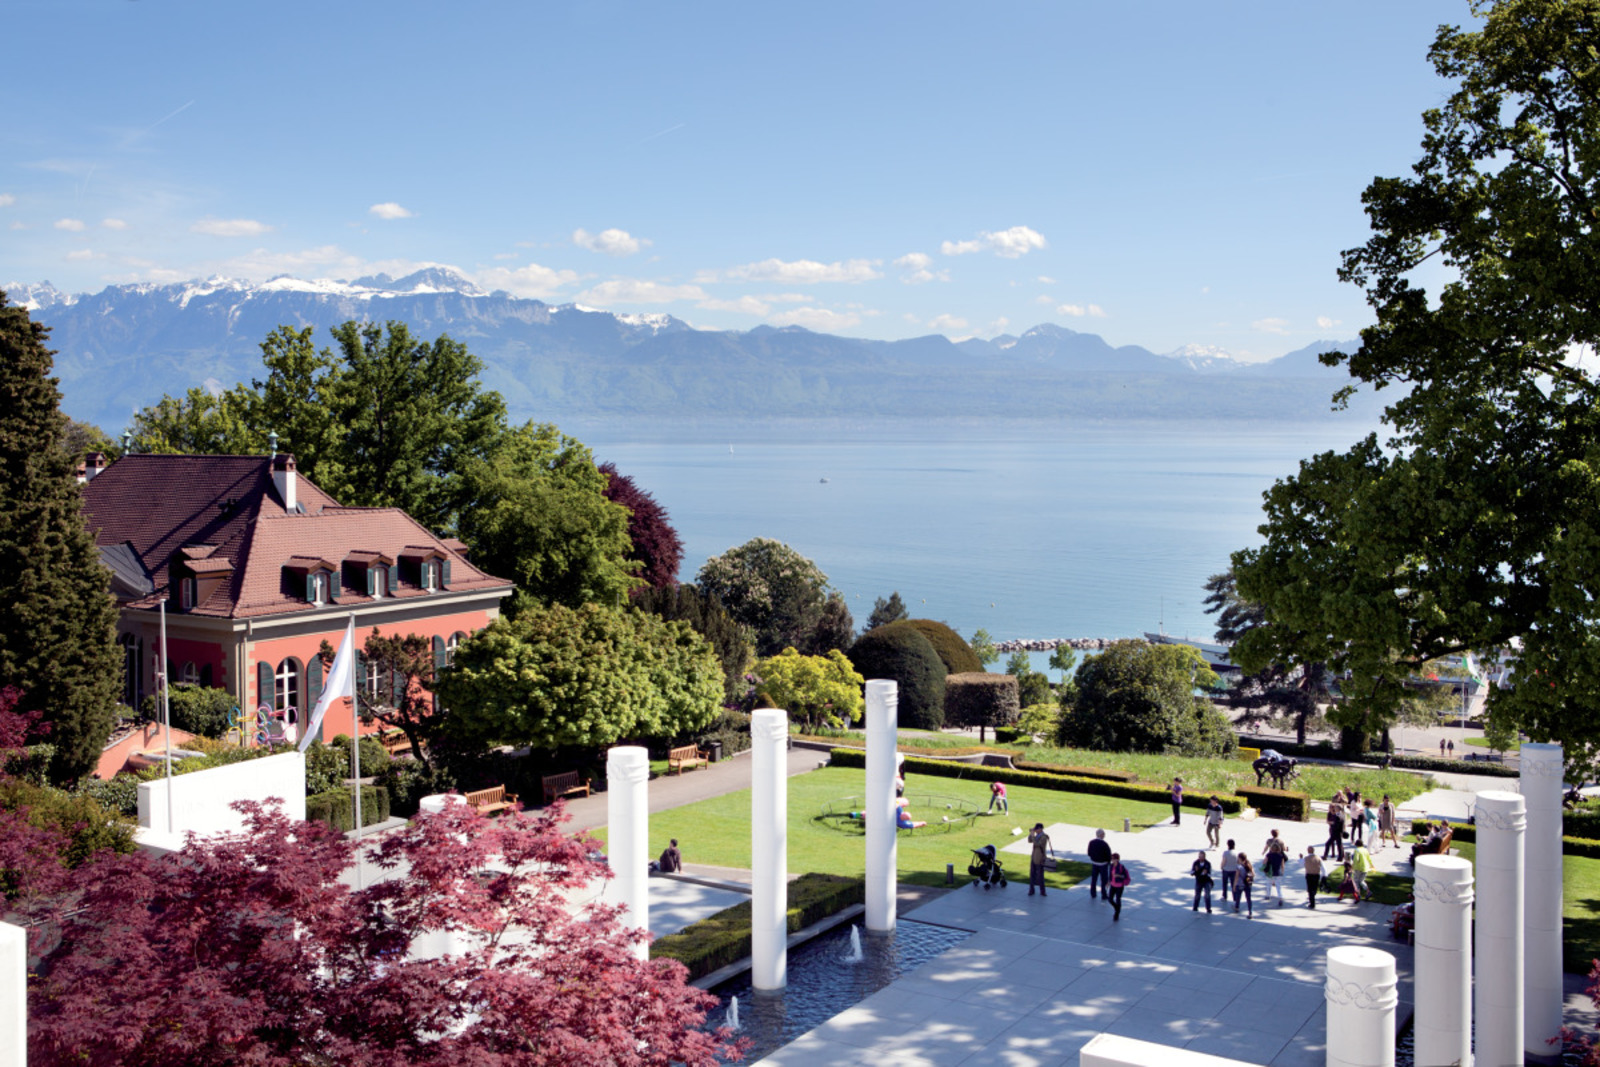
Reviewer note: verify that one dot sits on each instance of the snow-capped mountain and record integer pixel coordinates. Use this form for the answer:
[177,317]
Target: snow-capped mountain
[121,349]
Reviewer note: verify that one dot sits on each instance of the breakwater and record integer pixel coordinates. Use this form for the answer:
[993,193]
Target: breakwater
[1050,644]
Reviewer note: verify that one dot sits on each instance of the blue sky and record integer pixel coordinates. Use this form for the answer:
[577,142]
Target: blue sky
[1158,173]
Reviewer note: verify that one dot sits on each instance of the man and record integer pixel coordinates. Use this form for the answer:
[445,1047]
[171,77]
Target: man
[1214,822]
[1100,864]
[1313,876]
[1230,869]
[1177,800]
[671,860]
[1276,856]
[1041,848]
[1201,869]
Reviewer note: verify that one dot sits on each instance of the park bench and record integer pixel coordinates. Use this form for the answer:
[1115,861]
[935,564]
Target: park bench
[565,784]
[687,756]
[489,801]
[394,741]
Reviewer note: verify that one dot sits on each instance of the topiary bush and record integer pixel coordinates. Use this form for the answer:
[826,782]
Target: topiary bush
[409,780]
[954,652]
[901,654]
[981,699]
[336,809]
[375,759]
[196,709]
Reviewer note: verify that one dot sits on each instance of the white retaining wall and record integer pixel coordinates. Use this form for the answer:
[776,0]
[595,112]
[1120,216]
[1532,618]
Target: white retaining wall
[201,800]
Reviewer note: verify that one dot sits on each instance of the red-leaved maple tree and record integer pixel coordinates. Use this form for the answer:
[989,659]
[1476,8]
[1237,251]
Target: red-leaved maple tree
[460,949]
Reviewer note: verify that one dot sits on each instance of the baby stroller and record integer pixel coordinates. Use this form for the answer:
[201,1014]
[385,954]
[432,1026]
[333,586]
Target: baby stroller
[986,869]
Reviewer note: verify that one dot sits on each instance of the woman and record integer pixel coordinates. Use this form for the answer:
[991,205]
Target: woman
[1242,883]
[1201,869]
[1388,823]
[1214,822]
[1335,842]
[1277,855]
[1177,800]
[1313,876]
[1120,880]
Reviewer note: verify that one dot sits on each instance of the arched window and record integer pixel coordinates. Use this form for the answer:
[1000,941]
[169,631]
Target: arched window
[190,675]
[130,669]
[286,693]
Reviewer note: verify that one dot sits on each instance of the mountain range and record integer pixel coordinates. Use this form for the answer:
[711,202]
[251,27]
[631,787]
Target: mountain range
[120,349]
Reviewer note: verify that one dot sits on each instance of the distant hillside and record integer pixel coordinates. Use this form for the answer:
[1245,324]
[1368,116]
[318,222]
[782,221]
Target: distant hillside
[122,348]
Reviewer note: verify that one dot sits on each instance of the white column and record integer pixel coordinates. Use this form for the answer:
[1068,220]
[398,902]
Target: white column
[1443,965]
[13,996]
[1361,993]
[769,850]
[883,701]
[1543,769]
[628,835]
[1497,968]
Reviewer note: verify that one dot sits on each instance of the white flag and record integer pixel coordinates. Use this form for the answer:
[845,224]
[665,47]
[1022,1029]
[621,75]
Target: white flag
[340,677]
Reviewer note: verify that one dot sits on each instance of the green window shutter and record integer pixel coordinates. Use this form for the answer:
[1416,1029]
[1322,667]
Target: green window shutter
[264,676]
[444,573]
[311,588]
[438,653]
[397,688]
[394,578]
[372,581]
[313,682]
[335,585]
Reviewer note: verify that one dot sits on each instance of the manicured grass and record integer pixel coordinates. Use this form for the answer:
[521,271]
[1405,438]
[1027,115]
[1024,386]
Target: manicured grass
[717,831]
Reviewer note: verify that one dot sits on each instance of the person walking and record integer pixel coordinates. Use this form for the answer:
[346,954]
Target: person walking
[1335,842]
[997,795]
[1361,865]
[1120,880]
[1452,749]
[1313,876]
[1201,869]
[1388,823]
[1276,856]
[1441,748]
[1214,822]
[1041,848]
[1177,800]
[1358,822]
[1099,864]
[1369,813]
[1244,880]
[1230,867]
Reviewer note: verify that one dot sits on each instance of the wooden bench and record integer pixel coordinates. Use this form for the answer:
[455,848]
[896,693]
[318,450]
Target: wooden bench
[394,741]
[566,784]
[687,756]
[489,801]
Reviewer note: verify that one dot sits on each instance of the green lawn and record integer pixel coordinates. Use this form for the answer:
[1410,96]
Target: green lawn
[717,831]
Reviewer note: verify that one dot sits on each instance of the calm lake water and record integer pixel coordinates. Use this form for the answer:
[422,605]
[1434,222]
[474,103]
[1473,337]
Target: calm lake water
[1027,529]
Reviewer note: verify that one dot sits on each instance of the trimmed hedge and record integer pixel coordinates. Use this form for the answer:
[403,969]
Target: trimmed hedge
[1278,803]
[334,808]
[724,938]
[954,652]
[1077,772]
[1063,783]
[901,654]
[1324,751]
[976,698]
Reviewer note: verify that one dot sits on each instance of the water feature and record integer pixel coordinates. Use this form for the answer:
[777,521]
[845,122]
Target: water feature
[820,988]
[731,1021]
[854,955]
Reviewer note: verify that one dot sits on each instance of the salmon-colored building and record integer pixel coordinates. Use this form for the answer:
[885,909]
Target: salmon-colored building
[258,567]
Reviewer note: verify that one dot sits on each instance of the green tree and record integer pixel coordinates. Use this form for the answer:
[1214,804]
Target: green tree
[886,611]
[835,629]
[57,641]
[983,647]
[771,588]
[956,655]
[407,669]
[199,709]
[1277,692]
[980,699]
[535,512]
[704,612]
[901,654]
[1477,521]
[1033,687]
[589,676]
[817,690]
[1139,697]
[1064,658]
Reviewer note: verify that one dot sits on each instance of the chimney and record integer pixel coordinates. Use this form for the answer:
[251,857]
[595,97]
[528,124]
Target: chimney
[283,479]
[94,463]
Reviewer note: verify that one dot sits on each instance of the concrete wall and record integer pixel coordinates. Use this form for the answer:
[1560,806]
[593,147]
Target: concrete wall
[200,800]
[13,996]
[1109,1050]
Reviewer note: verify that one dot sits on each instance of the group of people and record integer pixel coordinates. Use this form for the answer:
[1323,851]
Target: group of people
[1108,875]
[1239,875]
[1350,815]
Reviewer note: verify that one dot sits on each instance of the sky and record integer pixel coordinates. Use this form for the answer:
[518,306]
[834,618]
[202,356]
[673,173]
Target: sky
[1158,173]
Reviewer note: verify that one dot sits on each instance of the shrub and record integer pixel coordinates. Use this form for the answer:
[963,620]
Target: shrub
[1076,772]
[901,654]
[724,938]
[731,727]
[197,709]
[84,823]
[980,699]
[409,780]
[1063,783]
[375,758]
[335,808]
[30,764]
[954,652]
[1038,720]
[1278,803]
[119,794]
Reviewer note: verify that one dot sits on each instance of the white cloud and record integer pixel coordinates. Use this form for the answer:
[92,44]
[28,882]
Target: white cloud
[1014,243]
[72,225]
[914,261]
[1325,323]
[637,291]
[505,255]
[230,227]
[1277,326]
[533,281]
[6,200]
[114,224]
[806,271]
[997,327]
[1078,311]
[916,267]
[1044,298]
[19,225]
[745,305]
[1046,280]
[389,210]
[82,255]
[947,323]
[814,318]
[612,242]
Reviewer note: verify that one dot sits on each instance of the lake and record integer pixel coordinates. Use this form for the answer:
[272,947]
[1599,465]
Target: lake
[1027,529]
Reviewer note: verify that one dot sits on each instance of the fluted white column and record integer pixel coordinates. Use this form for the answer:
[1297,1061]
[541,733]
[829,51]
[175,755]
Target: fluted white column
[1443,962]
[1543,770]
[628,834]
[883,702]
[13,996]
[769,850]
[1497,969]
[1361,993]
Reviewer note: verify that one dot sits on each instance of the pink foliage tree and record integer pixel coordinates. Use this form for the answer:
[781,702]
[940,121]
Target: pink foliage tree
[256,948]
[655,543]
[31,864]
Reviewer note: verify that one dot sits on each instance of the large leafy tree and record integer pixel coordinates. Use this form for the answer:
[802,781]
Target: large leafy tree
[1476,522]
[885,611]
[57,642]
[591,676]
[406,666]
[816,690]
[657,548]
[1276,691]
[1139,697]
[769,587]
[256,948]
[903,655]
[729,640]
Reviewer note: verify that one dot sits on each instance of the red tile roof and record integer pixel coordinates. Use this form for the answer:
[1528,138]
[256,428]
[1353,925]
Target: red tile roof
[160,505]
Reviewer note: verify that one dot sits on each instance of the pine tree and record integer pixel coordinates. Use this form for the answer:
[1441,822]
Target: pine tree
[57,618]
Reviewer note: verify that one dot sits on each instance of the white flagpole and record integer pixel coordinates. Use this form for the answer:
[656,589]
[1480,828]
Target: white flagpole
[355,749]
[166,708]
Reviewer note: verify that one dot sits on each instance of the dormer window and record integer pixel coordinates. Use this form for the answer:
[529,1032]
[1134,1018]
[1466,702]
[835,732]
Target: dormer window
[425,566]
[430,576]
[313,579]
[319,589]
[378,582]
[188,593]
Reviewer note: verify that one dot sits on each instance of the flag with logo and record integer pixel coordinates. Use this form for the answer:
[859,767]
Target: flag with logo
[340,683]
